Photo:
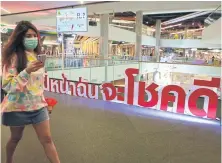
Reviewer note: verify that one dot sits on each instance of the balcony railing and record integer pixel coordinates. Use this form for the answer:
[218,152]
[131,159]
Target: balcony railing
[53,63]
[181,36]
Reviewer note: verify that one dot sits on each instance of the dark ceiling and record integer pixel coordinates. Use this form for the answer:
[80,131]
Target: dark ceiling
[150,20]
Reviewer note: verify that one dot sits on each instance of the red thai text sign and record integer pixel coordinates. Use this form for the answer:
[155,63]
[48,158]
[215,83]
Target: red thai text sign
[135,93]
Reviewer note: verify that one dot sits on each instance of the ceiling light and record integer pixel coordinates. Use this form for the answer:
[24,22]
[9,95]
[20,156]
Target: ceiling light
[5,10]
[122,21]
[121,26]
[172,26]
[82,1]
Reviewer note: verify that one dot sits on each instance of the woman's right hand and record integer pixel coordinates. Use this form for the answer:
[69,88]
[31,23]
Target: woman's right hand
[34,66]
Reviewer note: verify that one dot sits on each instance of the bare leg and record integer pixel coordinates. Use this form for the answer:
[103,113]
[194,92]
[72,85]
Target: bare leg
[16,135]
[43,132]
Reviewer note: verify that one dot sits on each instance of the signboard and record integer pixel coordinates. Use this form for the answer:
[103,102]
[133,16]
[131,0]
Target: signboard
[152,96]
[72,20]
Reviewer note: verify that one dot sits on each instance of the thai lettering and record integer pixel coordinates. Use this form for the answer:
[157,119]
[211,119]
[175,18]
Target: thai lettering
[108,91]
[47,83]
[215,82]
[129,81]
[93,92]
[72,88]
[54,85]
[120,93]
[168,96]
[210,102]
[81,88]
[63,85]
[151,89]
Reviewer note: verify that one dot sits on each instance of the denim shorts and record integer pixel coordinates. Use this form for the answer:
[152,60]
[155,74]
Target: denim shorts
[25,117]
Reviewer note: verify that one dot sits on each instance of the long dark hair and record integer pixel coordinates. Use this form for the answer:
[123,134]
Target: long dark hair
[15,46]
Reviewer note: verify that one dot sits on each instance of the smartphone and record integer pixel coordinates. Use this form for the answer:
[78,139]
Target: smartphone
[42,58]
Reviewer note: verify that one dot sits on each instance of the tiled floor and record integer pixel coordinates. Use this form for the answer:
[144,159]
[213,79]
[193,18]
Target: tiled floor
[85,132]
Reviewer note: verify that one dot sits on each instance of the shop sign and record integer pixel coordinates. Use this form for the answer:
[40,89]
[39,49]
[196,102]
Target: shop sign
[72,20]
[135,93]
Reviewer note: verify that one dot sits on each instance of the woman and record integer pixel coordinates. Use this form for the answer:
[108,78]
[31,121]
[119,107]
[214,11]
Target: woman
[22,80]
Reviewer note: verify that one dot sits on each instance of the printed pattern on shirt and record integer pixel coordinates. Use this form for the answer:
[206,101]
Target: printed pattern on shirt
[24,91]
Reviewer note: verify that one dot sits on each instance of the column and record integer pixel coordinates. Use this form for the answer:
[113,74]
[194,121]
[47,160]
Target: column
[138,47]
[186,33]
[110,48]
[139,26]
[104,42]
[63,51]
[148,51]
[157,35]
[184,52]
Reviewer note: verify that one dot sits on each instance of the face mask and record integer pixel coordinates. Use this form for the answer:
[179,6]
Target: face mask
[30,43]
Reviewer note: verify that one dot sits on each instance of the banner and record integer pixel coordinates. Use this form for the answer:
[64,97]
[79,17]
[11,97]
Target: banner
[152,96]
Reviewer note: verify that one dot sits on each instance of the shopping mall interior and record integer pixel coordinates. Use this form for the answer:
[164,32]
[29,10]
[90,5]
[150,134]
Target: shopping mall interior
[160,62]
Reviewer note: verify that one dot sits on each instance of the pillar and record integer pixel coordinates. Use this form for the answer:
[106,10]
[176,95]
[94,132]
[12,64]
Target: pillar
[63,51]
[104,42]
[157,35]
[184,52]
[138,47]
[110,48]
[149,51]
[186,33]
[139,26]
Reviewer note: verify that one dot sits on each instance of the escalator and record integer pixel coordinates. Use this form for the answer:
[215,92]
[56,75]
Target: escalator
[212,31]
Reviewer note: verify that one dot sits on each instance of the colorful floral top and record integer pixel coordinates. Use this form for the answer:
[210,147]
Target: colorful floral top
[24,91]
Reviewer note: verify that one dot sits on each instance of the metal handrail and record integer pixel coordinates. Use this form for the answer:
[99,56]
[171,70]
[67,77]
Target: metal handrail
[209,20]
[214,11]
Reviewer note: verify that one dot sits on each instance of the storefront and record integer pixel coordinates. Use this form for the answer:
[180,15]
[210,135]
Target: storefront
[122,48]
[88,45]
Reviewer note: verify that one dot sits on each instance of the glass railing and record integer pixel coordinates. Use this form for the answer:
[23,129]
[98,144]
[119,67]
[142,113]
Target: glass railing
[53,63]
[182,36]
[215,15]
[192,61]
[72,62]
